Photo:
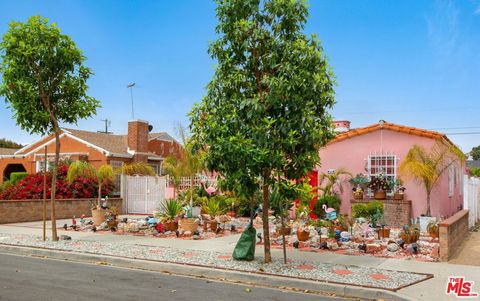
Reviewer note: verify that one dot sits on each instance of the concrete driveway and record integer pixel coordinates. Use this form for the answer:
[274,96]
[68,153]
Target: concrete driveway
[470,250]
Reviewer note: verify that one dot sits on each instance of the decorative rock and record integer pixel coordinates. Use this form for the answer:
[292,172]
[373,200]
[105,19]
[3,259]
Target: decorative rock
[102,226]
[392,247]
[296,244]
[133,227]
[323,245]
[412,248]
[372,248]
[292,239]
[65,237]
[332,246]
[187,233]
[401,243]
[196,237]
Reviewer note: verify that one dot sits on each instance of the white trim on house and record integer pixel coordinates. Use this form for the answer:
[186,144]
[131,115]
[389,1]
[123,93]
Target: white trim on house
[29,145]
[102,150]
[155,158]
[43,145]
[12,156]
[61,154]
[119,155]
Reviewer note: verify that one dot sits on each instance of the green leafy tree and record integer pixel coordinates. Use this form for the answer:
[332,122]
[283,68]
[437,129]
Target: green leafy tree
[44,82]
[265,112]
[9,144]
[475,153]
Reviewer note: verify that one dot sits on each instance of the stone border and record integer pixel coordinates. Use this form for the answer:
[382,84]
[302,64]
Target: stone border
[16,211]
[452,232]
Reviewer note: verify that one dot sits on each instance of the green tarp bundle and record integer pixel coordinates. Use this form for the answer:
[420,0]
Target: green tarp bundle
[245,248]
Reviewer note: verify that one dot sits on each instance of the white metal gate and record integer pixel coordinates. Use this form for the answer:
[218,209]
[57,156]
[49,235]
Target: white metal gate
[471,199]
[142,194]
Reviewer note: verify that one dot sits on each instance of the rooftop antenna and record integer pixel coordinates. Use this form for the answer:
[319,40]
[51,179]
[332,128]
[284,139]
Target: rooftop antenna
[131,97]
[107,124]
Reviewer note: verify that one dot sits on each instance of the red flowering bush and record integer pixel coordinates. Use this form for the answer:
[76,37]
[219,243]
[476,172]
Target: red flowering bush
[31,187]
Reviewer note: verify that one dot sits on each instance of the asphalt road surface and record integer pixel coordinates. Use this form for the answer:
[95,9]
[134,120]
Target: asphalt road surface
[27,278]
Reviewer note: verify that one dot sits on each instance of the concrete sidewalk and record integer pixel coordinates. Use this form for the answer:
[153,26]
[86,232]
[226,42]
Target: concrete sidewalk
[432,289]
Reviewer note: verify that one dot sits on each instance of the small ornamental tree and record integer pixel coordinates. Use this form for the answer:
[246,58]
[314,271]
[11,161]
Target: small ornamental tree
[265,112]
[44,83]
[475,153]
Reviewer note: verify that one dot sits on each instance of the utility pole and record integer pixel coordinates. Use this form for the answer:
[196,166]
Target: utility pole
[131,97]
[107,124]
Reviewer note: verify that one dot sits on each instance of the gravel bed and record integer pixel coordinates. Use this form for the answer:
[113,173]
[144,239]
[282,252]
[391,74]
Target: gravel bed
[353,275]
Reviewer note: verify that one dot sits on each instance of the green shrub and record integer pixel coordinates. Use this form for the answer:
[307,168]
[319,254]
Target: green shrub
[372,211]
[17,176]
[5,185]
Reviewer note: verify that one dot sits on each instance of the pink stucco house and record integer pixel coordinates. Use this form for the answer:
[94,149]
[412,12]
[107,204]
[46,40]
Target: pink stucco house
[384,145]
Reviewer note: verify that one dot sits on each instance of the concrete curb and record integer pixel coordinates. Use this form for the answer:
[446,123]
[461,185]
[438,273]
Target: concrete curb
[209,273]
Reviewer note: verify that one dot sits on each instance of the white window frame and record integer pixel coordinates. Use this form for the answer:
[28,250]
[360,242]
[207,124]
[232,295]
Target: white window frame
[155,167]
[41,163]
[378,157]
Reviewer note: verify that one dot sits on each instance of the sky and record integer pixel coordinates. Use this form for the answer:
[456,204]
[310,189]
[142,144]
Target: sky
[411,62]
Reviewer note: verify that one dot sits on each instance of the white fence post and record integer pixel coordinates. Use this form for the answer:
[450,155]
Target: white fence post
[471,199]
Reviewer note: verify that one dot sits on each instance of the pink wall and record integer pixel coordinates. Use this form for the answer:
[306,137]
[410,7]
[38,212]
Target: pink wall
[352,154]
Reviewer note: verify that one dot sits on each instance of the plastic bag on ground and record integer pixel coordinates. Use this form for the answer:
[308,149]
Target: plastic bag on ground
[245,248]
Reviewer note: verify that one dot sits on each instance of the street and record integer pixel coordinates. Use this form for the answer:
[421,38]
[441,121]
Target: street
[27,278]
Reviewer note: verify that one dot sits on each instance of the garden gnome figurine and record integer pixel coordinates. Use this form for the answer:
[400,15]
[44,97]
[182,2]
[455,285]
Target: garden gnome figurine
[82,220]
[74,221]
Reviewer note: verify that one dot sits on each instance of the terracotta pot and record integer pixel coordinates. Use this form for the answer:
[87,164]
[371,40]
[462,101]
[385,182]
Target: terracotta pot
[188,224]
[409,238]
[303,235]
[358,195]
[398,196]
[171,226]
[213,226]
[380,195]
[99,216]
[232,213]
[384,233]
[284,231]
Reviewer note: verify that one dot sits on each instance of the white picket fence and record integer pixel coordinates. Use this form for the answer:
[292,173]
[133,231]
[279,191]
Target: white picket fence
[471,199]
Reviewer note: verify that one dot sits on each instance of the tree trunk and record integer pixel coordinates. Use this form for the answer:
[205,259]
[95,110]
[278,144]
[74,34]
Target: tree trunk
[283,240]
[428,204]
[191,196]
[99,194]
[266,232]
[54,183]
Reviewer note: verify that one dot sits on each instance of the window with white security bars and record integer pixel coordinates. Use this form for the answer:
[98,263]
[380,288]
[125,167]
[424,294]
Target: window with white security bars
[382,164]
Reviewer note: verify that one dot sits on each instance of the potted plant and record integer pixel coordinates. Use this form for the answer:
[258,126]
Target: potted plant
[380,185]
[230,202]
[398,189]
[358,182]
[410,234]
[104,176]
[212,208]
[169,212]
[433,228]
[302,234]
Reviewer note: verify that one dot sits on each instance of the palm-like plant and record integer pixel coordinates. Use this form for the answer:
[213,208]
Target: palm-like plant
[83,169]
[212,207]
[186,164]
[331,182]
[170,210]
[427,166]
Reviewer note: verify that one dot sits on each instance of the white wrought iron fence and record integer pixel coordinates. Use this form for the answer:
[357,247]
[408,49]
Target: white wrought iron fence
[185,182]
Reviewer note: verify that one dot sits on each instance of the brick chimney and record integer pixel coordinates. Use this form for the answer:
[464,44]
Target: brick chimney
[138,140]
[341,126]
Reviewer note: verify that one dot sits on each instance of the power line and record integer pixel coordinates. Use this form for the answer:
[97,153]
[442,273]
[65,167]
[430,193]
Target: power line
[457,128]
[465,133]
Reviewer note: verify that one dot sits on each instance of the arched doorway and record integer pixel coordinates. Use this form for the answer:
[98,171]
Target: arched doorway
[17,167]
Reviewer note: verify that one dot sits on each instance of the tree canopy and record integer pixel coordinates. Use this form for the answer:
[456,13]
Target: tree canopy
[265,113]
[475,153]
[9,144]
[44,82]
